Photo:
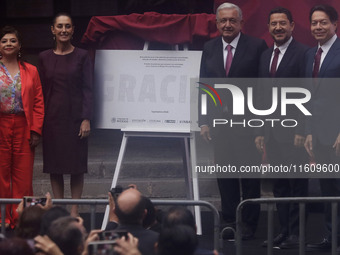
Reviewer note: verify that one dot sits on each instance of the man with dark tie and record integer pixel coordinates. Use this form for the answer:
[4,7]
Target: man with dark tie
[233,55]
[323,127]
[284,145]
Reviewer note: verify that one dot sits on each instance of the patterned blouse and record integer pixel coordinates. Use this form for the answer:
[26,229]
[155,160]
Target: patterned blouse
[10,92]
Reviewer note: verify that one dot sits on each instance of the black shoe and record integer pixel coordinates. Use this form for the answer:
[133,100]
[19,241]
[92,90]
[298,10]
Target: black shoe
[324,245]
[277,240]
[228,231]
[228,234]
[290,243]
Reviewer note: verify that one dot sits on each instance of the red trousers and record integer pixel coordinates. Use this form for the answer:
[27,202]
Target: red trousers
[16,162]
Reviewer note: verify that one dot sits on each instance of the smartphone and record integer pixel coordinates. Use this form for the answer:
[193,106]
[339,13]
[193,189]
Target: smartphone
[29,201]
[102,247]
[122,233]
[112,234]
[108,235]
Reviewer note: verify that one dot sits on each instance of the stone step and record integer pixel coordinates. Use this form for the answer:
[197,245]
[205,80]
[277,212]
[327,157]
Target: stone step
[135,169]
[154,188]
[165,188]
[152,157]
[155,165]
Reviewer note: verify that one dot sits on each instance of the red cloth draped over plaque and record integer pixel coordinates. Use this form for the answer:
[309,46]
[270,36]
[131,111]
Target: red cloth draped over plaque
[131,31]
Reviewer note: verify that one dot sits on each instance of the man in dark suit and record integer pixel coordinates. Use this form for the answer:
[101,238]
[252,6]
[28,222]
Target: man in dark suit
[323,127]
[233,55]
[284,145]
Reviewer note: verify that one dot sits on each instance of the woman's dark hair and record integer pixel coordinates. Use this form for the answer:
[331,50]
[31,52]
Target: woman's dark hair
[62,14]
[10,30]
[29,222]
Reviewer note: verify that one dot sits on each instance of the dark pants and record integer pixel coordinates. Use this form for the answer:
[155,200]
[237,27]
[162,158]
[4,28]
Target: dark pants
[325,154]
[286,153]
[238,151]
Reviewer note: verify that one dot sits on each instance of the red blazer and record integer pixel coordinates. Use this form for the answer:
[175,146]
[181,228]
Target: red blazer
[32,98]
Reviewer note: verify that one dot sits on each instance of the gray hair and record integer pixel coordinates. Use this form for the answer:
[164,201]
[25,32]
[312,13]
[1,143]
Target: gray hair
[229,6]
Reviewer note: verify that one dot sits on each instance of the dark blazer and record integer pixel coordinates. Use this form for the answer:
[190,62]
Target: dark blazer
[244,65]
[245,61]
[291,66]
[324,124]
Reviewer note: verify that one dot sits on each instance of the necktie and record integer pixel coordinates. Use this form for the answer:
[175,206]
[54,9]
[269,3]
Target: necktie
[317,59]
[229,59]
[274,62]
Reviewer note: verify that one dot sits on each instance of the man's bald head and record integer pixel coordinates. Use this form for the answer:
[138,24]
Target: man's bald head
[130,207]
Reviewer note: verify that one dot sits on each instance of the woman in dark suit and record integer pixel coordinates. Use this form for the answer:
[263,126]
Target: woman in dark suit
[66,75]
[21,120]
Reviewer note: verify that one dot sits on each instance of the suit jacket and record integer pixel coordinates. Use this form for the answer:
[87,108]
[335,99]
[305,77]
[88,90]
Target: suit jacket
[324,124]
[244,65]
[291,66]
[32,98]
[245,61]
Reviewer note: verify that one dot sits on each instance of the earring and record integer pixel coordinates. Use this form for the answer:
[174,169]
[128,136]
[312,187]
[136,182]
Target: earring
[54,38]
[19,54]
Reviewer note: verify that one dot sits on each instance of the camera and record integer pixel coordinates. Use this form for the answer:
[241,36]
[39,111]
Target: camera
[115,192]
[29,201]
[102,247]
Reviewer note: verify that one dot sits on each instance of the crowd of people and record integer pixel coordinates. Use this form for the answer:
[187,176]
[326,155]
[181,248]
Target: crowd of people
[55,102]
[133,229]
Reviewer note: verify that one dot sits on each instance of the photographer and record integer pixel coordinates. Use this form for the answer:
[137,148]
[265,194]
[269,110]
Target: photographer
[127,213]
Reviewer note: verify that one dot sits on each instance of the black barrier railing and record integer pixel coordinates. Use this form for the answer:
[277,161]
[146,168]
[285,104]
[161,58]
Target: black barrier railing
[302,201]
[93,203]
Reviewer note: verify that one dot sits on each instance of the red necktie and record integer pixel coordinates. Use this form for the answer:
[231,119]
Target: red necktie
[229,59]
[274,62]
[317,59]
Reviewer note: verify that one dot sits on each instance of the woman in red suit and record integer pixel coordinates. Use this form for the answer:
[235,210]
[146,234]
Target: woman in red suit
[21,120]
